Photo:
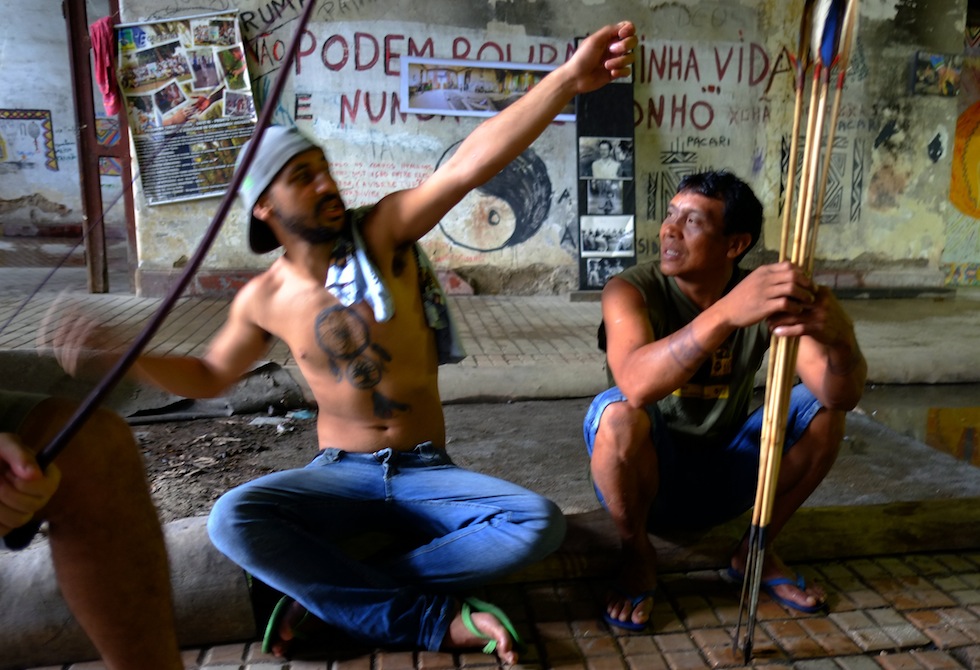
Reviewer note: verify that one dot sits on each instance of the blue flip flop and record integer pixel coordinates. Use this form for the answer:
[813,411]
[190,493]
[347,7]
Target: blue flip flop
[769,587]
[629,624]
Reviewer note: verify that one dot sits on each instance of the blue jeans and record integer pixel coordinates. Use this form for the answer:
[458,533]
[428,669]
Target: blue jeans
[704,485]
[435,529]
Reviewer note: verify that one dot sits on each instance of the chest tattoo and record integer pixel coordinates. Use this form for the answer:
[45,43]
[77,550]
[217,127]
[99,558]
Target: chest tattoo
[345,338]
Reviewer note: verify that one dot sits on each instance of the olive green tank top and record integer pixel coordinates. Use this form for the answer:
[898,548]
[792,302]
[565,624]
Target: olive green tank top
[714,403]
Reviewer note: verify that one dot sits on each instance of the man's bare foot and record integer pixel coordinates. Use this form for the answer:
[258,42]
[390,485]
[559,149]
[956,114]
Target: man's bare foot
[459,636]
[630,604]
[783,584]
[291,621]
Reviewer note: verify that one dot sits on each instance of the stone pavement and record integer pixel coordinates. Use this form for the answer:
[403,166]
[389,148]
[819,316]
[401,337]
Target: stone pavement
[892,610]
[911,612]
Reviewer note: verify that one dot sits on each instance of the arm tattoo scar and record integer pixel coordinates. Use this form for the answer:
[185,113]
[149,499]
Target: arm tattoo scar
[685,350]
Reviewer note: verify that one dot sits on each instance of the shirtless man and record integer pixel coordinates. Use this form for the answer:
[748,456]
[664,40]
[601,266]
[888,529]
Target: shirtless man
[356,302]
[673,444]
[105,538]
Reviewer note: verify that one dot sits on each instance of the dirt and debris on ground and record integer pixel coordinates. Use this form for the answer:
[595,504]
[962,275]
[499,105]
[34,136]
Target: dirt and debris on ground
[539,445]
[189,464]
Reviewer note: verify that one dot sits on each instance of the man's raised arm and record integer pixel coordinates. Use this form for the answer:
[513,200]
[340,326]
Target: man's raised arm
[600,58]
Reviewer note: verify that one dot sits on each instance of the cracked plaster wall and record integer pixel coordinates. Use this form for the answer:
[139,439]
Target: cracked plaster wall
[712,89]
[37,192]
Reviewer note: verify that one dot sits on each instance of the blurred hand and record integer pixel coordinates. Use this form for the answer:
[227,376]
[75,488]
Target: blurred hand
[24,488]
[604,55]
[81,345]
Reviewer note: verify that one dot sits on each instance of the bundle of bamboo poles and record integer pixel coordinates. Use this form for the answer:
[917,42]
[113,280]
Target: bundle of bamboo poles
[826,31]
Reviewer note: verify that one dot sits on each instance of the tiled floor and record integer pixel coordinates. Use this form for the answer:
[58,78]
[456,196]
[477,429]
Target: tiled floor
[914,612]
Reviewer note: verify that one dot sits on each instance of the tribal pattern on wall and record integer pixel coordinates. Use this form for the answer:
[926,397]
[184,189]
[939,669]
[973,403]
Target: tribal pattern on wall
[972,37]
[840,204]
[676,163]
[107,134]
[27,133]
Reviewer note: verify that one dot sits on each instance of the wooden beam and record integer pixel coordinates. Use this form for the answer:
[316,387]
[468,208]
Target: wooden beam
[79,45]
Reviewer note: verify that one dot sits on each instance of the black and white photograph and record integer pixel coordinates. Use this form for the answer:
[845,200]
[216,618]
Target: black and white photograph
[605,158]
[607,236]
[604,196]
[600,270]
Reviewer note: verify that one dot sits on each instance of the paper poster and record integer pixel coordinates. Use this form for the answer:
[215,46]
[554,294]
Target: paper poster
[937,74]
[189,102]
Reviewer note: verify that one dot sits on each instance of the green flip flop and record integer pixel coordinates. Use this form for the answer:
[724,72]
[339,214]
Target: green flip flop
[272,628]
[471,605]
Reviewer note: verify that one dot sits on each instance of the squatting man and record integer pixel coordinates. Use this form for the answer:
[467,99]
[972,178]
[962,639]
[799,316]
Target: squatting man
[673,444]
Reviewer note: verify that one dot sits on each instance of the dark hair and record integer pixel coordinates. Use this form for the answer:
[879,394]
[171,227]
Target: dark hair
[743,211]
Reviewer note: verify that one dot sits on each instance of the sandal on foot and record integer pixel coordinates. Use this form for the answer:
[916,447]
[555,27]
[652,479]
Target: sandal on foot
[471,605]
[629,624]
[275,620]
[769,587]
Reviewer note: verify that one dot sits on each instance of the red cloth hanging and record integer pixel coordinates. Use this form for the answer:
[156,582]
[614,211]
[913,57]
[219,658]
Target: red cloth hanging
[104,51]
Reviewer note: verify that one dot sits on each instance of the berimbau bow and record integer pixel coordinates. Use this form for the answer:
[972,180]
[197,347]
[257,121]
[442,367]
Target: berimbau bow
[21,537]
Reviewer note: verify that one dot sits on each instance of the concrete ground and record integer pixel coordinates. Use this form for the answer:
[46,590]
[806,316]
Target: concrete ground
[894,534]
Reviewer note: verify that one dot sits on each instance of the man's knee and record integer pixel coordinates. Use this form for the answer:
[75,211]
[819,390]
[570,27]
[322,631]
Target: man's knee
[221,529]
[102,449]
[553,528]
[225,516]
[825,434]
[242,514]
[623,428]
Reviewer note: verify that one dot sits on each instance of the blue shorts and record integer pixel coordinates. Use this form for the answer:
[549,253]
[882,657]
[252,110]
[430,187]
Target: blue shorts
[702,486]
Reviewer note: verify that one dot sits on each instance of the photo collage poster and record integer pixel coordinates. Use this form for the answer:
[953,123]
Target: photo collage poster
[606,184]
[189,102]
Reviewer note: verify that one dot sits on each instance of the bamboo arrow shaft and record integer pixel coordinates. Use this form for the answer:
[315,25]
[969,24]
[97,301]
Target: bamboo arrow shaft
[809,208]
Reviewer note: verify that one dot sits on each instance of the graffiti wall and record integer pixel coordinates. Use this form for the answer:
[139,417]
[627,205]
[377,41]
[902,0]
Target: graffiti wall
[961,258]
[713,87]
[38,165]
[39,180]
